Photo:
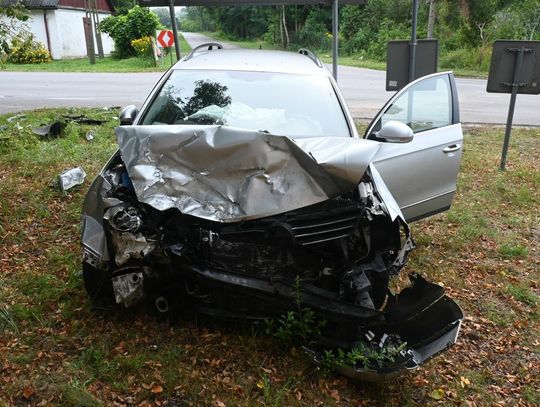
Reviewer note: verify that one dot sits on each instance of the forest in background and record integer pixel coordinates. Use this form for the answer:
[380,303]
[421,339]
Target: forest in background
[466,29]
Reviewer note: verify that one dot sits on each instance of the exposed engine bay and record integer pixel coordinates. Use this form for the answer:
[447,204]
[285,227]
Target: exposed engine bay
[335,254]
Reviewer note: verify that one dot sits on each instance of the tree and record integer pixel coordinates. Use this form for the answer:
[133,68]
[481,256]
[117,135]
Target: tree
[137,23]
[12,20]
[123,6]
[432,16]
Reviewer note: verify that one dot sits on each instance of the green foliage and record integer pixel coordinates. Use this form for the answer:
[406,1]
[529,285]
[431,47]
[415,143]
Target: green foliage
[467,58]
[314,33]
[24,49]
[11,18]
[143,47]
[296,327]
[523,294]
[137,23]
[466,29]
[363,356]
[519,21]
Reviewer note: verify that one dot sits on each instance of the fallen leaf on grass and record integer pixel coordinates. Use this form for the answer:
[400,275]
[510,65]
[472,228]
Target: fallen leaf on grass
[157,389]
[28,392]
[437,394]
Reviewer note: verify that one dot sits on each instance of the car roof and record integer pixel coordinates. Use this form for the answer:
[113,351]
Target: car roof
[252,60]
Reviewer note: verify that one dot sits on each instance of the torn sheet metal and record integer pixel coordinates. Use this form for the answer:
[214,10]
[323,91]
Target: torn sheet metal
[227,174]
[128,288]
[130,246]
[390,203]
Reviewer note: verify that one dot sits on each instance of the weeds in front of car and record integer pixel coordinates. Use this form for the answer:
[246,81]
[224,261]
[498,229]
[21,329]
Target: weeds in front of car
[296,327]
[54,349]
[362,356]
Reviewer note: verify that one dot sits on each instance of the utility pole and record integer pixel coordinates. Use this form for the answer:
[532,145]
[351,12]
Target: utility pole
[174,29]
[335,38]
[414,42]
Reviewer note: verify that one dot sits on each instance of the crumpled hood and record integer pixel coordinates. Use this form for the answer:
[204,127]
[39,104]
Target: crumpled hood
[227,174]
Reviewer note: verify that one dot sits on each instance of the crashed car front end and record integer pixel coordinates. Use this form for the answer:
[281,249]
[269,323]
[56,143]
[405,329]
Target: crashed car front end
[240,224]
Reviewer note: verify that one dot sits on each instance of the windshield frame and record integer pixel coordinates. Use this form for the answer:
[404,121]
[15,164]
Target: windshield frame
[165,78]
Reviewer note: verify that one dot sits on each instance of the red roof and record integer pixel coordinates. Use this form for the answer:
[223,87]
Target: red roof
[102,5]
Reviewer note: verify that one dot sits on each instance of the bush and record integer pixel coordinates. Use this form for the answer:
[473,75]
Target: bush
[467,58]
[25,49]
[143,47]
[388,31]
[139,22]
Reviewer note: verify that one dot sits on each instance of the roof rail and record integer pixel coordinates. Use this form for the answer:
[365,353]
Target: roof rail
[209,45]
[311,55]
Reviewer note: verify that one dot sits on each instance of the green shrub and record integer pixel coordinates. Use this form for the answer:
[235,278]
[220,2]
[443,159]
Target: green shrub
[467,58]
[139,22]
[143,47]
[25,49]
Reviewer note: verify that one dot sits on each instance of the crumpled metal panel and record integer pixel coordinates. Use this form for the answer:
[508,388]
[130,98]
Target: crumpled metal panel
[227,174]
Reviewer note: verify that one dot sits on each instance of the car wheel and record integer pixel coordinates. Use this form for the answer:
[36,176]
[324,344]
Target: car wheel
[97,283]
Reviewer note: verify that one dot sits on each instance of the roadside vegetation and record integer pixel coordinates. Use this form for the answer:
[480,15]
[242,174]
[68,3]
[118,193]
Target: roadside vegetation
[107,64]
[55,349]
[131,30]
[466,29]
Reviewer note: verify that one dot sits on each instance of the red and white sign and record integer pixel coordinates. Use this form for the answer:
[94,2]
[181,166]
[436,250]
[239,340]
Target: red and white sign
[165,38]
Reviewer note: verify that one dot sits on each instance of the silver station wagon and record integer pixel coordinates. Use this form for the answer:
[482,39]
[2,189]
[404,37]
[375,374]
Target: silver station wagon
[242,190]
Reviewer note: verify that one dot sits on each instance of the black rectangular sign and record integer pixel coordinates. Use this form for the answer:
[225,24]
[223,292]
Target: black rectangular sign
[503,63]
[397,65]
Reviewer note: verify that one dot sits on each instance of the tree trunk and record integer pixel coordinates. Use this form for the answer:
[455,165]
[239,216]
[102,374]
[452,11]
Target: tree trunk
[285,28]
[431,18]
[282,37]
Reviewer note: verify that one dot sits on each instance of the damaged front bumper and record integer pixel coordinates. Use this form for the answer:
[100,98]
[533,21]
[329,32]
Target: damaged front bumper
[424,319]
[242,225]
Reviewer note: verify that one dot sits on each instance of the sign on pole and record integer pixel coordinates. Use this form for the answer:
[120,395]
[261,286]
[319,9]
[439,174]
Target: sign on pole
[165,38]
[398,72]
[515,68]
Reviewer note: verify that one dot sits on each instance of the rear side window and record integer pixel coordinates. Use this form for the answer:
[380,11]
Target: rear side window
[282,104]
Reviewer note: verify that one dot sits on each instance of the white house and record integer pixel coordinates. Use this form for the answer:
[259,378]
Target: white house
[58,24]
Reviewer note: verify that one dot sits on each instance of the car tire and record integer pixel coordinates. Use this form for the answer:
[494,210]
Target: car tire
[97,283]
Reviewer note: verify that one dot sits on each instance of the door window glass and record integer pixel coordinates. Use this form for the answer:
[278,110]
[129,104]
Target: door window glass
[424,106]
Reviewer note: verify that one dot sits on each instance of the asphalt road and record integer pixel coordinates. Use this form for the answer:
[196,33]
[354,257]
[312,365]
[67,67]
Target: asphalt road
[363,90]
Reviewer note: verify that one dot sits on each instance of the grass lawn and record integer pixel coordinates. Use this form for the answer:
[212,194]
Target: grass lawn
[56,350]
[107,64]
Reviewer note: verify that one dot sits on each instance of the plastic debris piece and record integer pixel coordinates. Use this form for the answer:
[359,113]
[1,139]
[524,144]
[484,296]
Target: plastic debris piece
[82,119]
[89,136]
[70,178]
[49,130]
[17,116]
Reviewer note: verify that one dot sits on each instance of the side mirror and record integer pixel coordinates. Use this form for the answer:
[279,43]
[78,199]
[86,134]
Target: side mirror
[127,115]
[395,132]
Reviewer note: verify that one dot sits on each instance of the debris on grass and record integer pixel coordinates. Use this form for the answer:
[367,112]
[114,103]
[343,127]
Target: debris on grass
[16,117]
[50,130]
[70,178]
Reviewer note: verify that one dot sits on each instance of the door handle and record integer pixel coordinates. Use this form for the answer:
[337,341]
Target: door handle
[452,148]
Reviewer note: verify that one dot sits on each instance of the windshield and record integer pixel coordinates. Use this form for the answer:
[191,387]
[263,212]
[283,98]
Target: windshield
[281,104]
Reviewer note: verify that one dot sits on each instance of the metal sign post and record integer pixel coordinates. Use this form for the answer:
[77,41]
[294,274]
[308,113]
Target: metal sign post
[335,38]
[515,87]
[413,43]
[175,29]
[515,68]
